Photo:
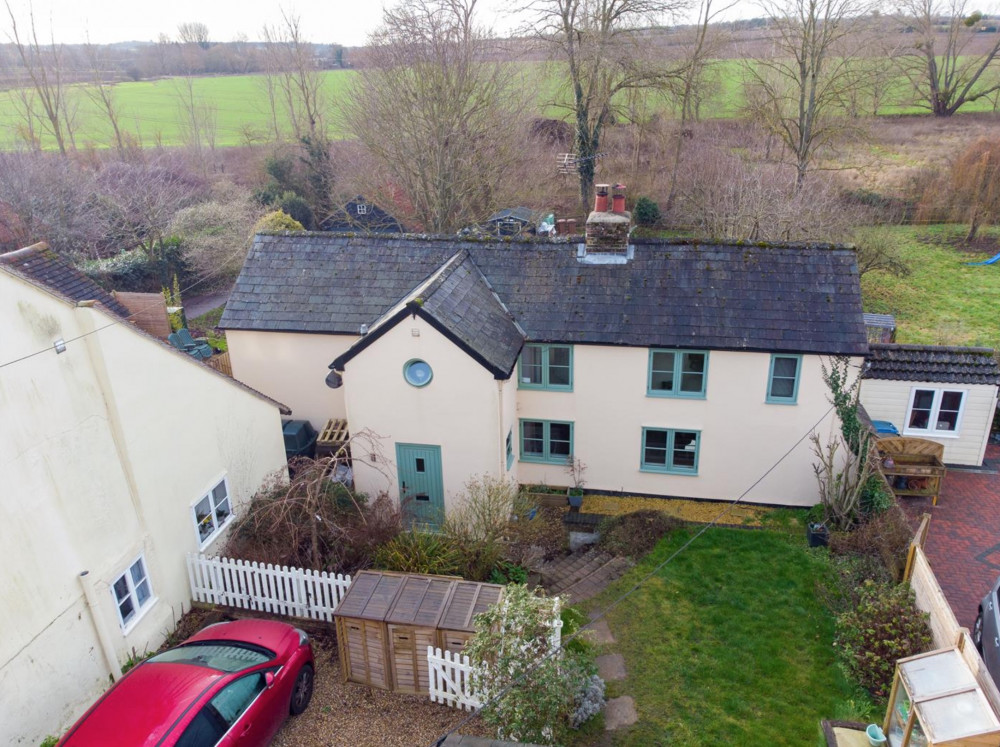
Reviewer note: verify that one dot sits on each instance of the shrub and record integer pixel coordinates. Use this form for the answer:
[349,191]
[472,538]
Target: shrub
[635,534]
[507,572]
[885,536]
[49,742]
[885,626]
[277,221]
[646,212]
[296,206]
[542,693]
[529,542]
[588,702]
[414,551]
[135,270]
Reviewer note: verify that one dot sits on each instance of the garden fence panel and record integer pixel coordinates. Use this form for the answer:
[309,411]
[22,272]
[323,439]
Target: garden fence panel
[278,590]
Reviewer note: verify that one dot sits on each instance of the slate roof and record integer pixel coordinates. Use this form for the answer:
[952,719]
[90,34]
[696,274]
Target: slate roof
[933,363]
[43,266]
[459,303]
[522,214]
[783,298]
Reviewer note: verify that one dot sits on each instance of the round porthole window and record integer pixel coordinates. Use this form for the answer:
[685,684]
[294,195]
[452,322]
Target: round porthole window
[418,372]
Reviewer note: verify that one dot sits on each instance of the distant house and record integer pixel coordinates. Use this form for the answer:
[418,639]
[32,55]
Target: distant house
[945,394]
[364,216]
[120,455]
[669,368]
[515,221]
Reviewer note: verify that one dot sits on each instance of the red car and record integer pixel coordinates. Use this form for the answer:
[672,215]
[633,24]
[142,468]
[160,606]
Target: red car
[230,684]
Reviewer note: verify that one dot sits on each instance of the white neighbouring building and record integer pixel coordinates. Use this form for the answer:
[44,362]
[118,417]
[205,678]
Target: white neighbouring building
[118,456]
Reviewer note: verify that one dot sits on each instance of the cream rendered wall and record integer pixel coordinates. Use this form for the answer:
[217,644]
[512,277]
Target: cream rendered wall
[291,368]
[741,435]
[890,400]
[103,450]
[459,410]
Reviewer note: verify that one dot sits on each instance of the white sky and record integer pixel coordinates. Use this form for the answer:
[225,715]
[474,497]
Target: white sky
[345,22]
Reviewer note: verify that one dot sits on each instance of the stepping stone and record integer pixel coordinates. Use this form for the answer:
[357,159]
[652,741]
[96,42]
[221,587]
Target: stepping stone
[600,632]
[611,667]
[619,712]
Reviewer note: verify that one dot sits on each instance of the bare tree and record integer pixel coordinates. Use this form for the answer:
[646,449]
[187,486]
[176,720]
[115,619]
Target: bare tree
[975,185]
[438,111]
[193,32]
[197,117]
[604,50]
[947,79]
[796,91]
[102,94]
[43,69]
[293,80]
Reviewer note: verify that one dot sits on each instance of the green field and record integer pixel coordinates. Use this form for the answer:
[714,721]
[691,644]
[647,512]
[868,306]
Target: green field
[151,110]
[943,300]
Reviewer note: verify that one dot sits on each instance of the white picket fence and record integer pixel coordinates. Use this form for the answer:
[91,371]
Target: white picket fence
[451,673]
[451,679]
[278,590]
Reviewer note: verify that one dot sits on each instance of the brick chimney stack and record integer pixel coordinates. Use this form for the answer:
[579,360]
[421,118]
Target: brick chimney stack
[608,230]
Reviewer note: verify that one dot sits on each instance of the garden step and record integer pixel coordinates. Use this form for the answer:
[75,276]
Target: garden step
[611,667]
[619,712]
[594,582]
[565,572]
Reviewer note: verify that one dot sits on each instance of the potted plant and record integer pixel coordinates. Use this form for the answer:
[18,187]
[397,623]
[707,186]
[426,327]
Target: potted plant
[817,531]
[575,467]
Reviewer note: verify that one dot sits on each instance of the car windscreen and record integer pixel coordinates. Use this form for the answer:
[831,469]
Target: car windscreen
[225,657]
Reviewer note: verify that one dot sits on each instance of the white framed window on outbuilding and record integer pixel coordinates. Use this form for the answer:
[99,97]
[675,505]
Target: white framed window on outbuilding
[935,412]
[133,593]
[212,512]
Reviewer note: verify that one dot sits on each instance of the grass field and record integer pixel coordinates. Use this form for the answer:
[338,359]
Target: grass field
[730,643]
[151,110]
[943,300]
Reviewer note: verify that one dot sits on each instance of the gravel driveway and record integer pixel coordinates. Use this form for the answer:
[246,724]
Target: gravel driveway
[344,713]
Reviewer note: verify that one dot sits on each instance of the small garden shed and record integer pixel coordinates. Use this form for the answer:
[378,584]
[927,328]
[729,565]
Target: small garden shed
[387,620]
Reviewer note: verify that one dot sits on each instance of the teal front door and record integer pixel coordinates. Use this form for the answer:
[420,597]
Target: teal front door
[421,486]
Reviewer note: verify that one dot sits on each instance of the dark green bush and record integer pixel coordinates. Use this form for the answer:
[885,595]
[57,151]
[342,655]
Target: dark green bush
[635,534]
[876,498]
[646,212]
[298,208]
[419,552]
[885,626]
[506,572]
[136,270]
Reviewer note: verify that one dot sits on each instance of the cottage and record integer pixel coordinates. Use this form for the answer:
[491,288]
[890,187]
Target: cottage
[120,455]
[670,368]
[944,394]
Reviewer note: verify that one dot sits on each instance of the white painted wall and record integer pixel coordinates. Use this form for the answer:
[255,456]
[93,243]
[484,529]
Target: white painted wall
[742,436]
[890,400]
[459,410]
[103,451]
[291,368]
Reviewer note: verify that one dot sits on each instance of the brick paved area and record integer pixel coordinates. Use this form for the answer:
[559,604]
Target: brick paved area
[963,543]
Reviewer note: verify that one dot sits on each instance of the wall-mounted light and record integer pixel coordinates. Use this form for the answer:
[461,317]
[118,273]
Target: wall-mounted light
[363,330]
[60,346]
[334,380]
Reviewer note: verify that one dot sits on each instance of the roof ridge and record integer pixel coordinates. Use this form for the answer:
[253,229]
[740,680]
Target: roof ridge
[9,258]
[915,348]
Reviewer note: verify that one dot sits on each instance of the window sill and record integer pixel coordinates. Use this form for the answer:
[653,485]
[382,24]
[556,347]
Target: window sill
[674,395]
[780,402]
[561,462]
[542,388]
[931,434]
[669,471]
[126,629]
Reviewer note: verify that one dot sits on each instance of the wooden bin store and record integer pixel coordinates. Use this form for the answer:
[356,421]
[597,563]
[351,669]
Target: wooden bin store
[387,620]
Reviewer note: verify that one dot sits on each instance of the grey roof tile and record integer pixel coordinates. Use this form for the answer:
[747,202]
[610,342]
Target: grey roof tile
[934,363]
[784,298]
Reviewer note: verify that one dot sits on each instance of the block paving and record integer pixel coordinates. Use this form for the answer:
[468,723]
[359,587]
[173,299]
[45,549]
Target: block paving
[963,541]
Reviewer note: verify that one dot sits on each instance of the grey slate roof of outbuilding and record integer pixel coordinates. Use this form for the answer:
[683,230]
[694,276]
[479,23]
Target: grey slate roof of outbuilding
[783,298]
[932,363]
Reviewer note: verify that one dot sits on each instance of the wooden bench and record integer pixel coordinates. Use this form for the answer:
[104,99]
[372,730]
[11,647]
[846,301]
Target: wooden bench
[912,466]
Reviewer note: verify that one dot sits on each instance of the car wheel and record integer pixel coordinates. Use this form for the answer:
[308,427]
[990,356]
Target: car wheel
[977,632]
[303,691]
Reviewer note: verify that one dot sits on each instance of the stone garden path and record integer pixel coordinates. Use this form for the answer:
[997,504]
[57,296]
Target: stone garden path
[581,576]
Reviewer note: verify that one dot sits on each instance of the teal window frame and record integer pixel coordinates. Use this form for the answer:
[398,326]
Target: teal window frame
[545,350]
[678,373]
[546,457]
[510,448]
[669,468]
[772,399]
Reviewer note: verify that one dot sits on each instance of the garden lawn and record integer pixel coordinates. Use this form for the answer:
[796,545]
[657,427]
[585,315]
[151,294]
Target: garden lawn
[729,643]
[943,301]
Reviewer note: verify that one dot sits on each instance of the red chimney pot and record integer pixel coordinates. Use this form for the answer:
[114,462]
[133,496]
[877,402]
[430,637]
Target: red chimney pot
[601,201]
[618,199]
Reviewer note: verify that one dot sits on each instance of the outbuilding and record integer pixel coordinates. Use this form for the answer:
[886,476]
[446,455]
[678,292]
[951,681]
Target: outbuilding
[944,394]
[387,620]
